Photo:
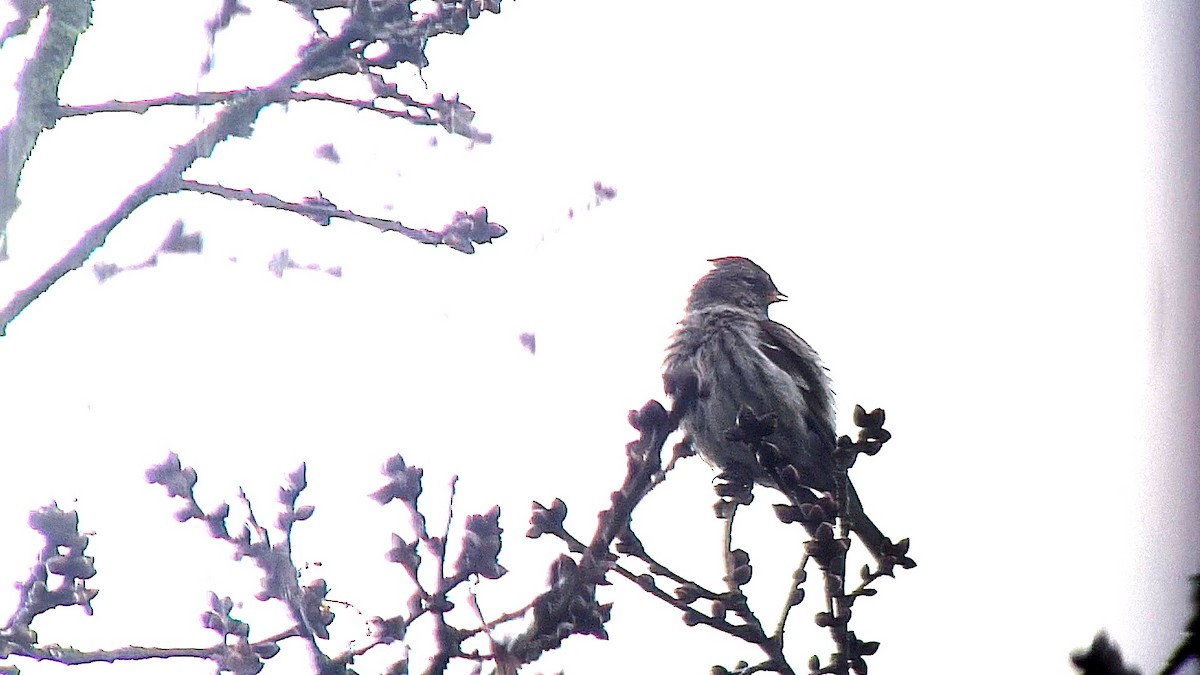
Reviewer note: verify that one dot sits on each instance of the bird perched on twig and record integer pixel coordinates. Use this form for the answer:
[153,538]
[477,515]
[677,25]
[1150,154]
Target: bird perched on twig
[737,356]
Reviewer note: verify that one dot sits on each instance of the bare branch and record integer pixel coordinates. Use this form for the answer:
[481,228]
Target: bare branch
[317,209]
[235,120]
[402,31]
[205,98]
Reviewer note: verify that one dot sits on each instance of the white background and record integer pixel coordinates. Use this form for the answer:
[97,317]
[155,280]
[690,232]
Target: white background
[984,217]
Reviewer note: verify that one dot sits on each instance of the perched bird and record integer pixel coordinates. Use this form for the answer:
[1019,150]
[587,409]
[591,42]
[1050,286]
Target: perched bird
[738,356]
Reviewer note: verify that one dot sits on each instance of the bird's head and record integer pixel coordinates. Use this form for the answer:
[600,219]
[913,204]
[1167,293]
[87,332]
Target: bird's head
[738,282]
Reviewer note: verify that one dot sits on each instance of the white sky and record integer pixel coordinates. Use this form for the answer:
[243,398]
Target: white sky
[977,212]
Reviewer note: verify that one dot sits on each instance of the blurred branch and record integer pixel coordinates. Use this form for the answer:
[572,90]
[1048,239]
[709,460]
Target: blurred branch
[176,242]
[219,22]
[1103,657]
[1189,648]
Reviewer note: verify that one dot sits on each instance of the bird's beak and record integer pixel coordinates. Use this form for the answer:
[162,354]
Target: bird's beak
[776,297]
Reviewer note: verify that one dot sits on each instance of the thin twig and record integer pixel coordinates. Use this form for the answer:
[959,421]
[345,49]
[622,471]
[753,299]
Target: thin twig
[317,210]
[787,607]
[442,632]
[728,540]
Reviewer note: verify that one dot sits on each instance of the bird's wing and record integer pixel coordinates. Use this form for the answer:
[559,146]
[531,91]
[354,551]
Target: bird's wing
[792,354]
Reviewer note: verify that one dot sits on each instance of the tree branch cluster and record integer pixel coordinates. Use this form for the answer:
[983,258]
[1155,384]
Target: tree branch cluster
[378,36]
[570,606]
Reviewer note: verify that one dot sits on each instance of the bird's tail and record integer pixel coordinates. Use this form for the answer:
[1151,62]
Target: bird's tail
[856,518]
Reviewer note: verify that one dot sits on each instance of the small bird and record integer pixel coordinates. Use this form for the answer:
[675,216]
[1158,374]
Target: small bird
[738,356]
